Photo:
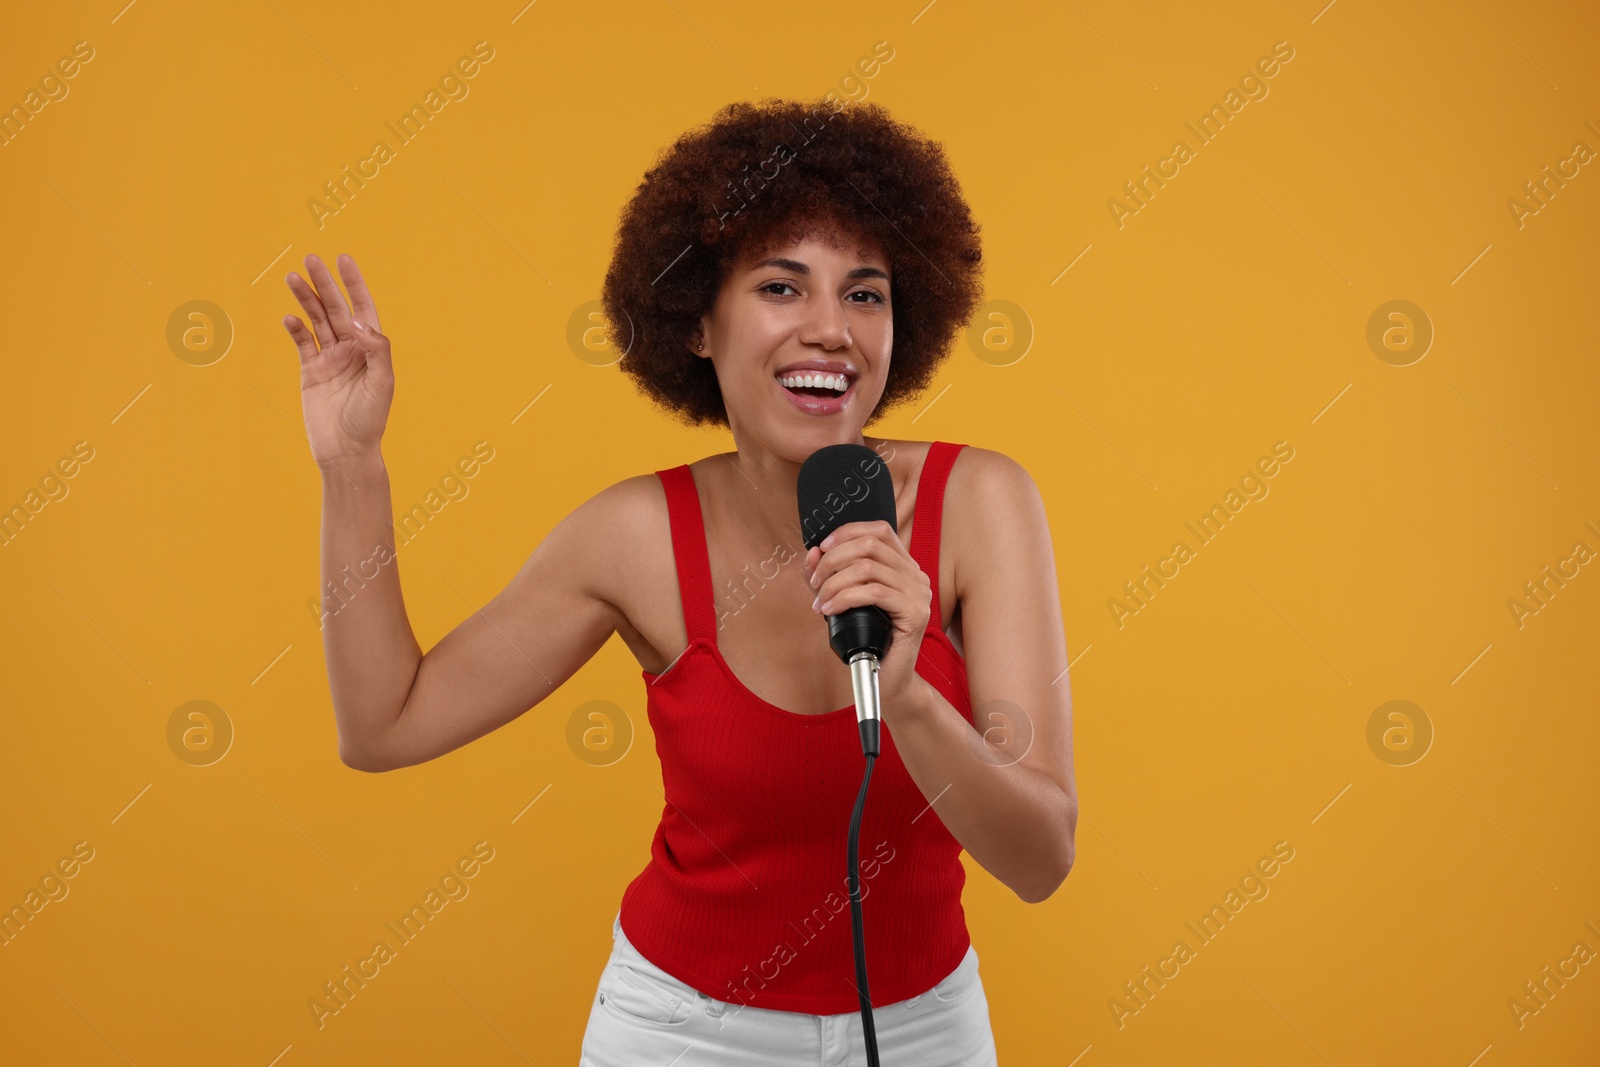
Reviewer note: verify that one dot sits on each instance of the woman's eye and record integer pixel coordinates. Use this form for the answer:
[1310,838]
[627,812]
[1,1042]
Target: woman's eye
[872,294]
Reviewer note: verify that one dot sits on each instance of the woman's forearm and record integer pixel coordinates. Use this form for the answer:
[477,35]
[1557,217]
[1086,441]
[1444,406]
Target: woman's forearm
[371,652]
[1013,820]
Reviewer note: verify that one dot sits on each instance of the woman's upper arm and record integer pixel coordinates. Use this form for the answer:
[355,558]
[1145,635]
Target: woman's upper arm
[1015,645]
[517,649]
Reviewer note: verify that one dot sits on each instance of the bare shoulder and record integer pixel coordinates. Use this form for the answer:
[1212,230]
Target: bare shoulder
[992,508]
[983,479]
[603,550]
[640,497]
[620,530]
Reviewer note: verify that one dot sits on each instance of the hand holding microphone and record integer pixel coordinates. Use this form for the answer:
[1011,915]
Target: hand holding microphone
[874,593]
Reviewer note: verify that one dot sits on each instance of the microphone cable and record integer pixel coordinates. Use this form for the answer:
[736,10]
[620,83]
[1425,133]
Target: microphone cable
[869,748]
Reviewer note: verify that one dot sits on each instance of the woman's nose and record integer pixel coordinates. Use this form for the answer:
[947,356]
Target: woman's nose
[828,327]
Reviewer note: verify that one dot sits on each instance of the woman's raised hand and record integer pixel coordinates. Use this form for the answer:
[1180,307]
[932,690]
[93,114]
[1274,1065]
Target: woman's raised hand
[346,377]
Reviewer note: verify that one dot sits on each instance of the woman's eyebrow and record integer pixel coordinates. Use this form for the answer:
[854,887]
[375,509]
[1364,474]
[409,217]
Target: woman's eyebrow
[800,268]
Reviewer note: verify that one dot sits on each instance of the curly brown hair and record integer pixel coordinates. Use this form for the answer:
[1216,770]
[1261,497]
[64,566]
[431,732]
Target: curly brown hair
[710,198]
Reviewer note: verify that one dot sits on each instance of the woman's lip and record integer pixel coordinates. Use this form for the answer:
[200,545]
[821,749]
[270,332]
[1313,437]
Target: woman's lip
[819,405]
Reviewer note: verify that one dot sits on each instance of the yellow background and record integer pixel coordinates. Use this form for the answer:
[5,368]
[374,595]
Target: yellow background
[1230,313]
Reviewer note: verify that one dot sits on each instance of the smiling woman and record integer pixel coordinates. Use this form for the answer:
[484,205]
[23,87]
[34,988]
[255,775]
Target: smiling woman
[832,298]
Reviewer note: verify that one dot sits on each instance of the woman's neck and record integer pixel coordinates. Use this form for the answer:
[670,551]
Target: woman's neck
[757,491]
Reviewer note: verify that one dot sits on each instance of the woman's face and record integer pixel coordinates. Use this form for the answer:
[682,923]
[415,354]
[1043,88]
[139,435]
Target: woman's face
[820,307]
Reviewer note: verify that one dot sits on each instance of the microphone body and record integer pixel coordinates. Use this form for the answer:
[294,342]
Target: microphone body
[839,484]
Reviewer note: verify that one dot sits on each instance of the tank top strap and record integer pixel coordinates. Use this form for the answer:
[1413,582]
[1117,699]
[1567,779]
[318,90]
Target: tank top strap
[927,519]
[689,552]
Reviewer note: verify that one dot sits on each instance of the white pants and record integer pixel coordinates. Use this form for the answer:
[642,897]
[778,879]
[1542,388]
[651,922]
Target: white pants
[642,1015]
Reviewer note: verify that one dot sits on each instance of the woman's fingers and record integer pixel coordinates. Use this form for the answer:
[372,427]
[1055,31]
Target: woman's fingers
[867,594]
[845,553]
[374,349]
[361,305]
[844,586]
[312,305]
[332,299]
[302,338]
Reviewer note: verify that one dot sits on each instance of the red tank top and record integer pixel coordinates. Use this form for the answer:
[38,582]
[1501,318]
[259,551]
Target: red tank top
[745,895]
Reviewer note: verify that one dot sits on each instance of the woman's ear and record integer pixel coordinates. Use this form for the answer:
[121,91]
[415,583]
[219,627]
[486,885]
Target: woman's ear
[697,342]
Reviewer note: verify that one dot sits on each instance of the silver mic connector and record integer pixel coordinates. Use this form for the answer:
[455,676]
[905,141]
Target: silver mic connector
[864,680]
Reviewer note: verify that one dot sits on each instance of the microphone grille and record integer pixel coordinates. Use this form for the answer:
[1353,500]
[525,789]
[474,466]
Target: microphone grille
[840,484]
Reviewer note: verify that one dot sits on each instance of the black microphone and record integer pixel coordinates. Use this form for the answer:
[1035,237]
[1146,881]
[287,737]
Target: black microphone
[840,484]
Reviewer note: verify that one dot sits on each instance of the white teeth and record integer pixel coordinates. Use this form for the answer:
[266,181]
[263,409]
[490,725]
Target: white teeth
[837,382]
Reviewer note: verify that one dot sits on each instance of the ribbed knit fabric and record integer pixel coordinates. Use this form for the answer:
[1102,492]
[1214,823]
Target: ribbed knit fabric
[745,895]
